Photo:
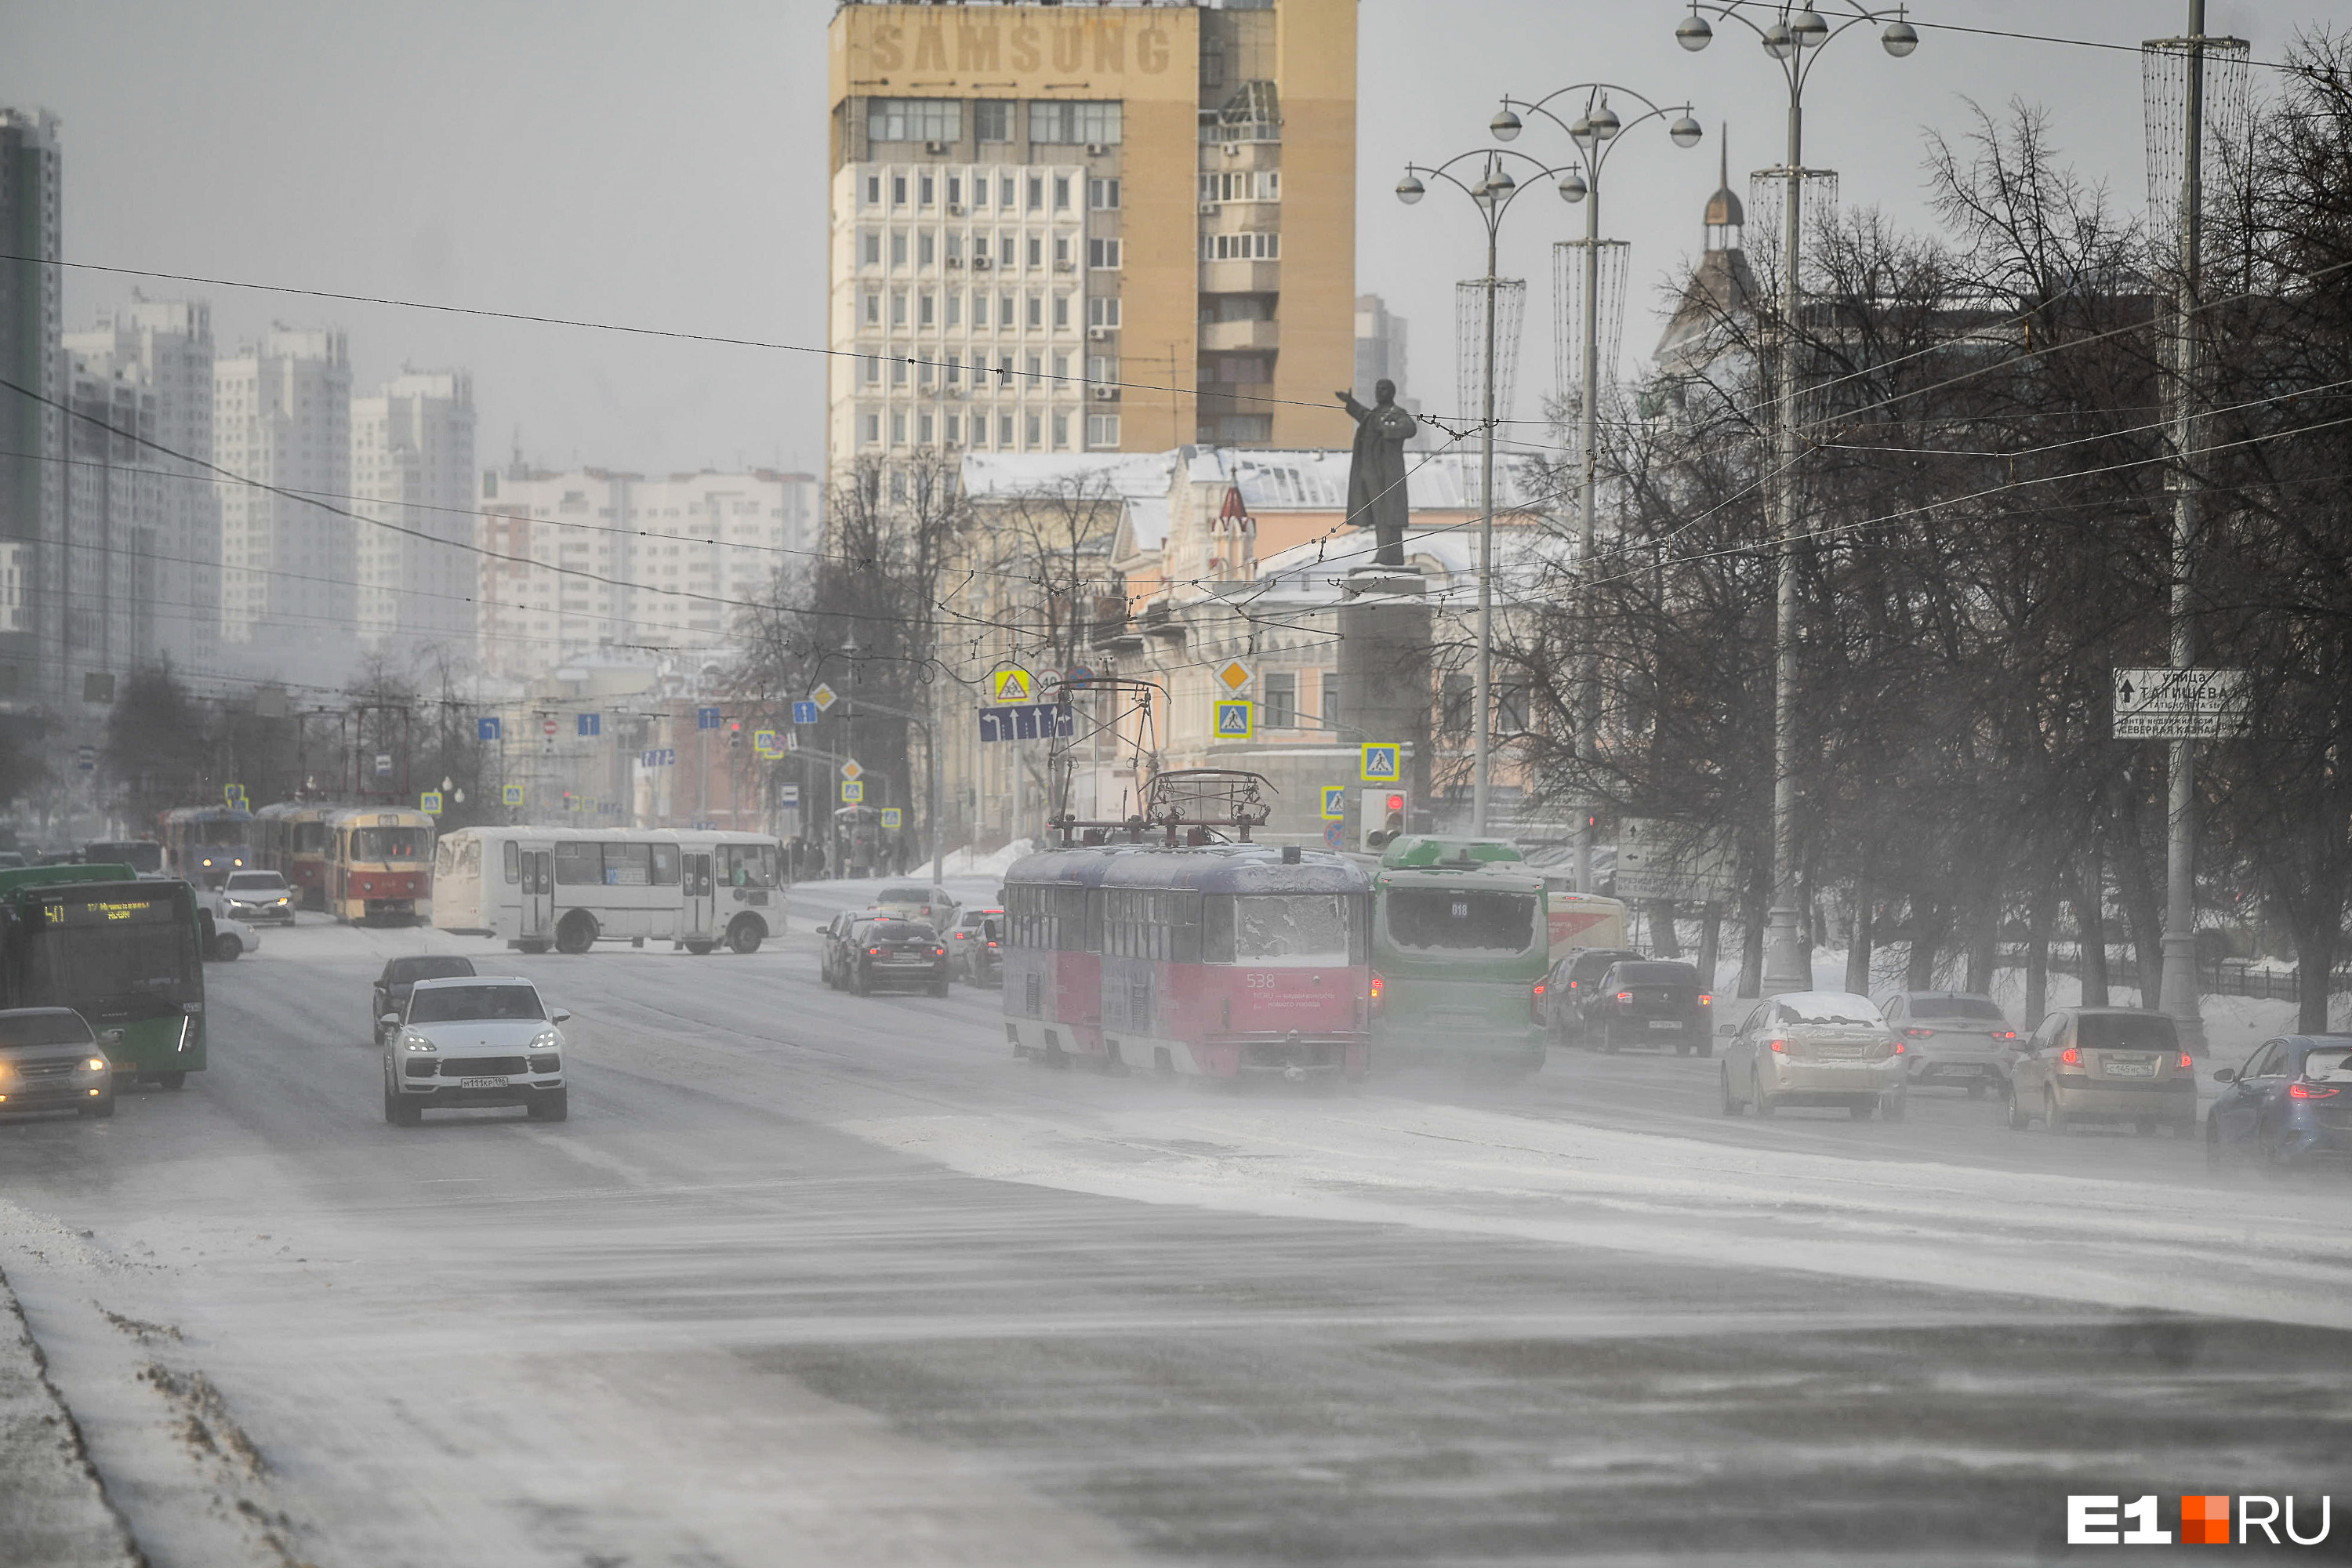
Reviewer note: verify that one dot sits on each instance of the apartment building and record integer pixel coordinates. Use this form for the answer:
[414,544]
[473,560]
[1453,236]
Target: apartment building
[282,421]
[413,470]
[1116,228]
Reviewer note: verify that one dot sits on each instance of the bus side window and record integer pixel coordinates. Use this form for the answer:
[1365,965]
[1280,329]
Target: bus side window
[665,864]
[511,854]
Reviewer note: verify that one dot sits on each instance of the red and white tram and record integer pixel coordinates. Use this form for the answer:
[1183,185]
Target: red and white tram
[1215,960]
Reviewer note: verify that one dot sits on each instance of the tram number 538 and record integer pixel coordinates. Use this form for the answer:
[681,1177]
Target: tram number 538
[1261,981]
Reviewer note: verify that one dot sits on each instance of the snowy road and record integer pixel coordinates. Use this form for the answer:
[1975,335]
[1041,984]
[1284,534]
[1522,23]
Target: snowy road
[812,1280]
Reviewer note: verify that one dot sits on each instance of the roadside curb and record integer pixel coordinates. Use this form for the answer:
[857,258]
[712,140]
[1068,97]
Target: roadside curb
[55,1507]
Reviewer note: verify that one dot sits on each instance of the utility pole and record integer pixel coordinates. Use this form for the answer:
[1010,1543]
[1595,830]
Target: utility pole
[2178,992]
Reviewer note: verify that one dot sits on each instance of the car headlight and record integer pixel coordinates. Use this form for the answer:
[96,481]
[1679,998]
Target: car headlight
[546,1040]
[416,1043]
[7,1072]
[94,1064]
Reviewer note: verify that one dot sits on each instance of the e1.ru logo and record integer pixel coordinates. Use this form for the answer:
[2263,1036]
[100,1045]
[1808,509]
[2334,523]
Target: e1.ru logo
[2092,1521]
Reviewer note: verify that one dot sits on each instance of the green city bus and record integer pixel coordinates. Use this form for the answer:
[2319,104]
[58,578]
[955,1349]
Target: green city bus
[121,951]
[1461,942]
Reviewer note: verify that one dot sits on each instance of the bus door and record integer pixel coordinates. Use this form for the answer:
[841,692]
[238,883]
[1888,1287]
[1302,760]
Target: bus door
[699,896]
[538,893]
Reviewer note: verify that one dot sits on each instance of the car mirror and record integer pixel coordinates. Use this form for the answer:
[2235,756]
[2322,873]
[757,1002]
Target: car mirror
[2226,1074]
[1727,1028]
[390,1020]
[559,1016]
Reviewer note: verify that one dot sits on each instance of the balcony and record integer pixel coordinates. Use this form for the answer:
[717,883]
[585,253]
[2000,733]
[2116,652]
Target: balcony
[1160,621]
[1241,277]
[1228,337]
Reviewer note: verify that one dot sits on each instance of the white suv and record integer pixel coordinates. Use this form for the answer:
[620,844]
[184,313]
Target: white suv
[473,1040]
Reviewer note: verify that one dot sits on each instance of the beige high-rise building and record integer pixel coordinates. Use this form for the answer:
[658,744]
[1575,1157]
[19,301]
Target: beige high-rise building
[412,466]
[1112,227]
[282,417]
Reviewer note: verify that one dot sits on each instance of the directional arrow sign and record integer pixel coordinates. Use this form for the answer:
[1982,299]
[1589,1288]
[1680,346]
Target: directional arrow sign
[2180,704]
[805,710]
[485,729]
[824,697]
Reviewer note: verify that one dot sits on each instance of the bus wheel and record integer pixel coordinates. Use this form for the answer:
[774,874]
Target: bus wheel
[577,934]
[699,948]
[226,947]
[745,934]
[172,1081]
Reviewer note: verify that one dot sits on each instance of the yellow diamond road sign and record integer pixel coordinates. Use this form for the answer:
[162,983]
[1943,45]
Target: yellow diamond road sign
[850,770]
[1014,685]
[1236,676]
[824,697]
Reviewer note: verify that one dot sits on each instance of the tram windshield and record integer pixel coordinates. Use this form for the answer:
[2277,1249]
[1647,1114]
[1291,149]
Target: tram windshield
[1284,930]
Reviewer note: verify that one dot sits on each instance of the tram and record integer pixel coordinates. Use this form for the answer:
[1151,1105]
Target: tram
[1190,955]
[291,840]
[203,844]
[379,865]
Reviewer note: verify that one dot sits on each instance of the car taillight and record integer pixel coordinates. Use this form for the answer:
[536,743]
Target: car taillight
[1624,997]
[938,952]
[1706,1000]
[1782,1045]
[1535,1001]
[1899,1046]
[873,952]
[2071,1057]
[1379,986]
[2186,1064]
[1918,1034]
[2004,1034]
[2312,1092]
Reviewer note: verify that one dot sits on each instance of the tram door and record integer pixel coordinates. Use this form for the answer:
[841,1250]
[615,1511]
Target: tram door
[538,894]
[698,896]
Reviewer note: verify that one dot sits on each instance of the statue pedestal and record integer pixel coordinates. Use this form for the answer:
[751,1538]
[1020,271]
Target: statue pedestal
[1393,580]
[1386,684]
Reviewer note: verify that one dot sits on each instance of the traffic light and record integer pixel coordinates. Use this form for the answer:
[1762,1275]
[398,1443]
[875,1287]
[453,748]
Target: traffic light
[1382,815]
[734,733]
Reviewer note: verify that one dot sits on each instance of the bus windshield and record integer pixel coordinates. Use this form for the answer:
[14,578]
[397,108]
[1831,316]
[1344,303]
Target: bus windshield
[388,843]
[114,955]
[1284,929]
[1463,921]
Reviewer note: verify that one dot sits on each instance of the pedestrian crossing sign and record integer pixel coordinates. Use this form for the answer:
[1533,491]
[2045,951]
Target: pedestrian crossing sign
[1237,719]
[891,816]
[1380,764]
[852,792]
[1012,684]
[512,794]
[1335,802]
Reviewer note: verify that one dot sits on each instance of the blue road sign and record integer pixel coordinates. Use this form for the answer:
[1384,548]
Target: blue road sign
[659,757]
[1380,764]
[592,723]
[709,719]
[1027,721]
[1335,802]
[485,730]
[805,711]
[1235,719]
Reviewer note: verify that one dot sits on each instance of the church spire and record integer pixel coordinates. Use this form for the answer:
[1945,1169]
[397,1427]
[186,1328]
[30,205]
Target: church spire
[1724,216]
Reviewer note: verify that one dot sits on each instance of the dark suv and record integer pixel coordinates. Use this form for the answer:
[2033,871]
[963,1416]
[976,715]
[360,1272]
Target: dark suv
[1569,980]
[899,953]
[400,978]
[1645,1002]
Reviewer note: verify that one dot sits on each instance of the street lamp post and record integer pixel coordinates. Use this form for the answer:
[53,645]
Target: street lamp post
[1794,39]
[1594,132]
[1492,194]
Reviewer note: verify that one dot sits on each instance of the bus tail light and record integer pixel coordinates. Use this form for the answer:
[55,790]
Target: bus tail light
[1379,988]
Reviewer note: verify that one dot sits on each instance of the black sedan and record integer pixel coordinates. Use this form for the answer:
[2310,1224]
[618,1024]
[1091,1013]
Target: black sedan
[899,955]
[400,978]
[2290,1105]
[1650,1003]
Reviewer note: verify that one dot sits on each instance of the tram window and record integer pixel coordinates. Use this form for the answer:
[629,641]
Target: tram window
[579,864]
[665,864]
[511,857]
[310,837]
[1284,929]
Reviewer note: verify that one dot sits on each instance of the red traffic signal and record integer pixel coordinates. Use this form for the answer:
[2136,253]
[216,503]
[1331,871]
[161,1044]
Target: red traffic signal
[1396,802]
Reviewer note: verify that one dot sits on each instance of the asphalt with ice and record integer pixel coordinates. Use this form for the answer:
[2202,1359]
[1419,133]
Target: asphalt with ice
[821,1280]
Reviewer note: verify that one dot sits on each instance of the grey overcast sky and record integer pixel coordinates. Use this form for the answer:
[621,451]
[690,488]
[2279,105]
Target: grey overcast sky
[663,166]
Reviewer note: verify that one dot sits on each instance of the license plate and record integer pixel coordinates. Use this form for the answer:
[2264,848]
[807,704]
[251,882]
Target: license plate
[1665,1023]
[2131,1070]
[481,1083]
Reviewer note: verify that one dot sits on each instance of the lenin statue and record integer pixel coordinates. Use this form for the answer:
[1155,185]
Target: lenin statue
[1376,494]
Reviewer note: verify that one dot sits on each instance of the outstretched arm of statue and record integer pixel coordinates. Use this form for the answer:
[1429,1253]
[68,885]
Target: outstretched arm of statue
[1347,401]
